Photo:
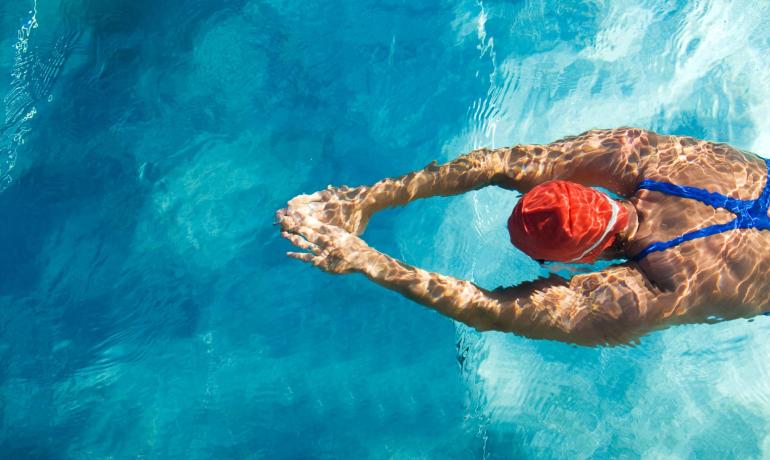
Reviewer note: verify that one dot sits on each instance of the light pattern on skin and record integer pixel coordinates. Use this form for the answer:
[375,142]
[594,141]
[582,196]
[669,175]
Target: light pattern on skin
[722,276]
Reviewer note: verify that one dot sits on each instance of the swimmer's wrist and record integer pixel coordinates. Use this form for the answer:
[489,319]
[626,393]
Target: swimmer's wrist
[379,196]
[391,192]
[370,262]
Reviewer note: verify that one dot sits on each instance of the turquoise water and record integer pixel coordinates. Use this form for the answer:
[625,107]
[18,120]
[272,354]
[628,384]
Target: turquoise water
[146,307]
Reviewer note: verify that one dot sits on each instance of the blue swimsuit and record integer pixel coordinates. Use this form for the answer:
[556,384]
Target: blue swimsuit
[748,213]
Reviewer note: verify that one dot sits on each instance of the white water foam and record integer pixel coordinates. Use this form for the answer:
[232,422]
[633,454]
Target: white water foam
[18,103]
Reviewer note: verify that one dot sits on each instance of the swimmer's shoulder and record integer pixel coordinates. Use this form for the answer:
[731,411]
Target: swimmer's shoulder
[691,161]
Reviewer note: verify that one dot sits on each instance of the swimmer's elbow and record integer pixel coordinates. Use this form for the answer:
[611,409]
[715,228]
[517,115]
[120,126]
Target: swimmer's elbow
[485,326]
[483,316]
[587,330]
[598,330]
[480,320]
[584,337]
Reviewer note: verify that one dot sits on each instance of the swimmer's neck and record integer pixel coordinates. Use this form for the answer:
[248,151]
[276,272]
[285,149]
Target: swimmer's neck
[633,222]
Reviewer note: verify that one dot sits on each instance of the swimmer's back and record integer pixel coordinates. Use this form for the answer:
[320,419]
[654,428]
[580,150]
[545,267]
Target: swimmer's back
[729,271]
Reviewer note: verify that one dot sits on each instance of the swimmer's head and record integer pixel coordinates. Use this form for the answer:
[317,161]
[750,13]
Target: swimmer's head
[565,222]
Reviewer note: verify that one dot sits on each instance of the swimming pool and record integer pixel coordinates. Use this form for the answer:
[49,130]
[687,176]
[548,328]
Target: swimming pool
[147,308]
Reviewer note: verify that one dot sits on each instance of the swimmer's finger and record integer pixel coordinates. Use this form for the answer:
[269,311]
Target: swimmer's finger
[294,239]
[303,256]
[300,242]
[309,233]
[289,222]
[281,217]
[318,261]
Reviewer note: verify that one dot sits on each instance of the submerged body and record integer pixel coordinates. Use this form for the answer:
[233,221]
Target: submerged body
[721,276]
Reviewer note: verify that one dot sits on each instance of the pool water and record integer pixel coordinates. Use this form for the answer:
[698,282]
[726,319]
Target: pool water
[147,309]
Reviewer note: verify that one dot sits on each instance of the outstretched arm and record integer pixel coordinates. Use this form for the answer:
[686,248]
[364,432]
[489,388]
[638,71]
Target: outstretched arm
[351,208]
[610,158]
[616,305]
[613,159]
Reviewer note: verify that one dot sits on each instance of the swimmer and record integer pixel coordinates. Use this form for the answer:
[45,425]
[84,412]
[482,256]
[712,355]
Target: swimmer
[690,218]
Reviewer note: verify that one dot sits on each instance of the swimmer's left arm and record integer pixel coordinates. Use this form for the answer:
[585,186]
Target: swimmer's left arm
[335,251]
[615,305]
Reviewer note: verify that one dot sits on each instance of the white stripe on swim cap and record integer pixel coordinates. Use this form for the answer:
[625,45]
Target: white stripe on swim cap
[610,225]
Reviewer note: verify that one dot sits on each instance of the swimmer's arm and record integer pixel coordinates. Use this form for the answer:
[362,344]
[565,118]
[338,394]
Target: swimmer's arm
[351,208]
[471,171]
[612,158]
[458,299]
[616,305]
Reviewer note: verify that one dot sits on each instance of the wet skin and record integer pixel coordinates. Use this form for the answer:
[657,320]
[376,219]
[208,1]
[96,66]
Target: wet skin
[718,277]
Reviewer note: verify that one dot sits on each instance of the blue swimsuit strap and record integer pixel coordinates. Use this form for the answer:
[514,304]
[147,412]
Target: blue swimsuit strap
[749,213]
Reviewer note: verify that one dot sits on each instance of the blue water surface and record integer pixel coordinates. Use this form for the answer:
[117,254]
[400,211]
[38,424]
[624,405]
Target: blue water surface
[147,309]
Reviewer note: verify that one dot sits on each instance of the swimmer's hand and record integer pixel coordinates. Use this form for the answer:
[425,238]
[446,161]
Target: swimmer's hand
[329,248]
[347,208]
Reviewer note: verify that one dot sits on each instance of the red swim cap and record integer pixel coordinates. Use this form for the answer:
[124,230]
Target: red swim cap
[566,222]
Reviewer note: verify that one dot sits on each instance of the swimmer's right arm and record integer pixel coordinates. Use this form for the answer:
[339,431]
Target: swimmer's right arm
[611,158]
[472,171]
[351,208]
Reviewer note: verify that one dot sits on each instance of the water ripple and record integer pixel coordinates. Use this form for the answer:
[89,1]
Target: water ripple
[34,72]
